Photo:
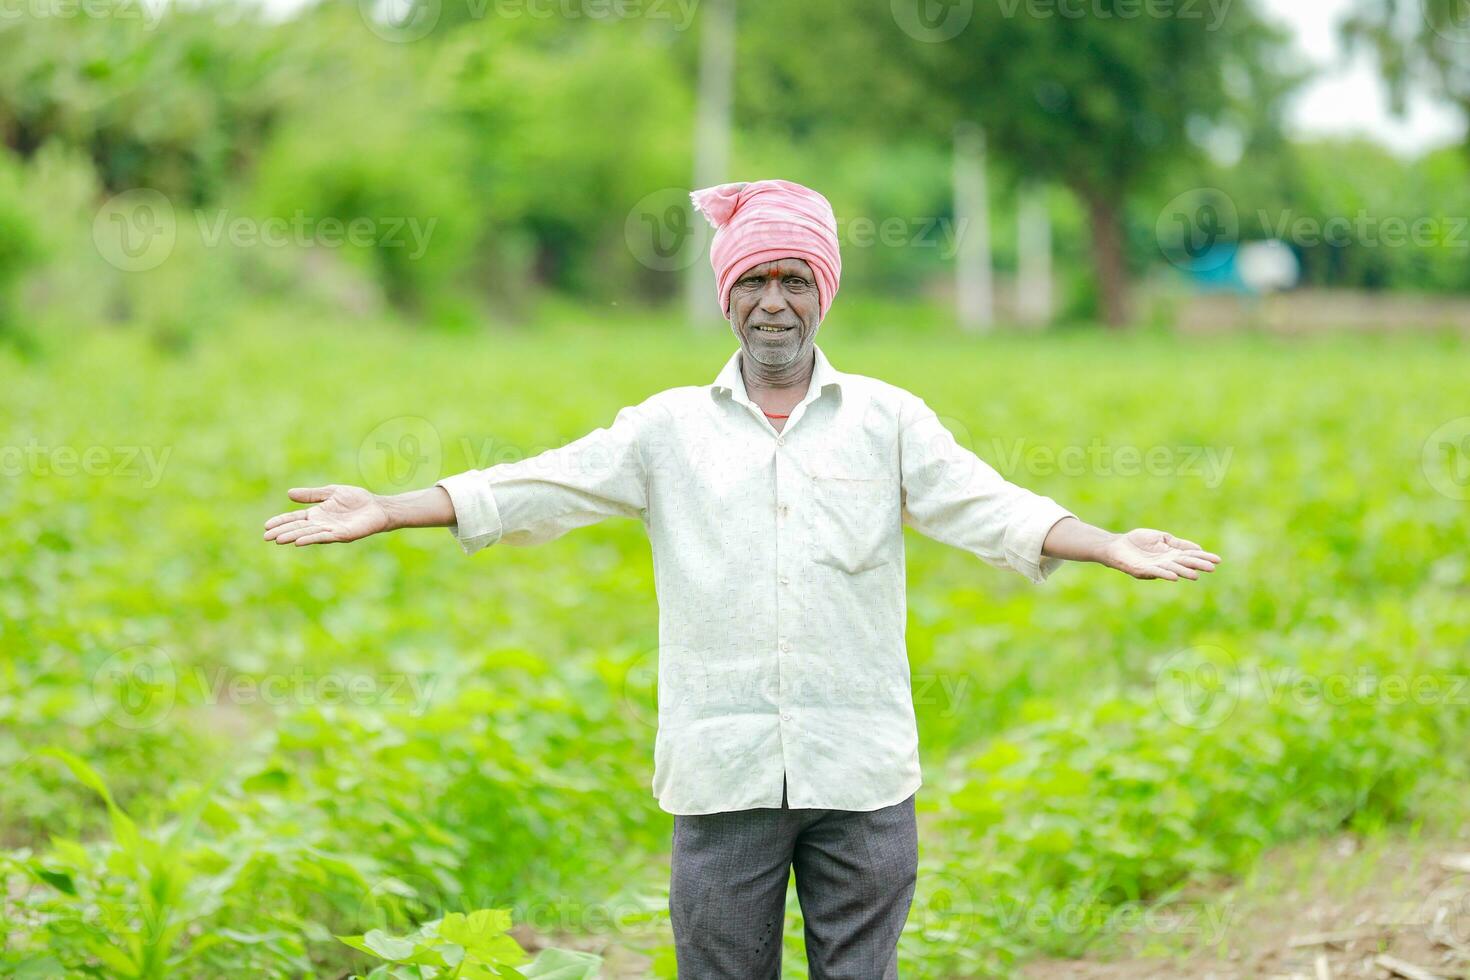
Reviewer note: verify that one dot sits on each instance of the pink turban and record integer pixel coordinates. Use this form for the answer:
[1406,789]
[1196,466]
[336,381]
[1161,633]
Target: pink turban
[766,220]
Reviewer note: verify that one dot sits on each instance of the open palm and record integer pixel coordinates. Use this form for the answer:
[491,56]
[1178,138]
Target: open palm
[1146,553]
[341,513]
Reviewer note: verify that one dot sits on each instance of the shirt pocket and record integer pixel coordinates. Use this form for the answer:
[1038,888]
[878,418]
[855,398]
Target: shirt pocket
[854,514]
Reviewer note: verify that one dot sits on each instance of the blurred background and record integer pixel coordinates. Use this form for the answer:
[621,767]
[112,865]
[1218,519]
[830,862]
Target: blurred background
[454,163]
[1194,264]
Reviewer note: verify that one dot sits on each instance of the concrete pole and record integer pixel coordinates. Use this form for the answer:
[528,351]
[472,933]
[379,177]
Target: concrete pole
[975,283]
[1034,278]
[712,125]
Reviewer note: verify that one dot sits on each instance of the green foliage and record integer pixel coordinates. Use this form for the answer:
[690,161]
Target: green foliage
[503,155]
[472,947]
[1358,216]
[497,751]
[157,99]
[134,906]
[556,183]
[20,236]
[1103,98]
[1104,101]
[387,194]
[1415,45]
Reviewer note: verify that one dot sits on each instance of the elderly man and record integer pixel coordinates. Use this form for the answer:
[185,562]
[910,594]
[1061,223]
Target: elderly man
[775,499]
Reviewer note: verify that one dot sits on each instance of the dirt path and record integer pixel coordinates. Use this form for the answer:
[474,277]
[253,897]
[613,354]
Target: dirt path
[1331,909]
[1318,910]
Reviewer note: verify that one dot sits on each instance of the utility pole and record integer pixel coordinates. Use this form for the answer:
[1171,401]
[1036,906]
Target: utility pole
[711,142]
[974,283]
[1033,240]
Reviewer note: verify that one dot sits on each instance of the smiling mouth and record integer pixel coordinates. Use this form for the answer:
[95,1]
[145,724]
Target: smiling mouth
[765,328]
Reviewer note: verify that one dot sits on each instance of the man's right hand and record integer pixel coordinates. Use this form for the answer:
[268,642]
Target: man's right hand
[341,513]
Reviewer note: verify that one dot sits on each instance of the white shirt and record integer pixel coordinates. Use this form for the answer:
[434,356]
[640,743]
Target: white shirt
[779,567]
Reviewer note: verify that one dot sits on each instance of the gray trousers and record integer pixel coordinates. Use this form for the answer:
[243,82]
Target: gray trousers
[855,874]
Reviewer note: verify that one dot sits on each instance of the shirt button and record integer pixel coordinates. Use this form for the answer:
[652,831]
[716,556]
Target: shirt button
[785,646]
[780,441]
[784,580]
[785,717]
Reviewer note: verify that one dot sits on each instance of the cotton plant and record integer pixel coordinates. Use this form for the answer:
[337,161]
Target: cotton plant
[467,946]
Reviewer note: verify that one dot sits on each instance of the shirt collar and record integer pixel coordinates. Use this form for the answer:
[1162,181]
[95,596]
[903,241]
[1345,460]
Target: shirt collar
[824,375]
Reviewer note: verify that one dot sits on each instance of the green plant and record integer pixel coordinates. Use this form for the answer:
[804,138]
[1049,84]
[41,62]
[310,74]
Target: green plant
[469,947]
[135,907]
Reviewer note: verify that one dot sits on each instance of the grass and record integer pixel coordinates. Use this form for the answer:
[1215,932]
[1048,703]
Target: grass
[372,736]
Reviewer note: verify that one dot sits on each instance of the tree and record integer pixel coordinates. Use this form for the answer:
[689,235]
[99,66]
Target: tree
[1419,42]
[180,105]
[1102,97]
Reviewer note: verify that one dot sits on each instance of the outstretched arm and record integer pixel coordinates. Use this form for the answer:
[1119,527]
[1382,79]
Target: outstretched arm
[345,513]
[524,502]
[1143,553]
[952,495]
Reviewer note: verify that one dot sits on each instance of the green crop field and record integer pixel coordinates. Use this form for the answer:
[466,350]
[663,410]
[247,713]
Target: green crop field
[219,754]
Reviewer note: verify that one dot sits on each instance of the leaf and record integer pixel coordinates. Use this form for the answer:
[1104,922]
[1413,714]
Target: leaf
[465,929]
[85,774]
[246,938]
[272,780]
[562,964]
[71,852]
[483,934]
[200,945]
[123,829]
[113,957]
[40,968]
[452,954]
[380,944]
[427,954]
[59,880]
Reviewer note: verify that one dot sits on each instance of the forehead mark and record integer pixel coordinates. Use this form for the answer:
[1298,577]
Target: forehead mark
[779,270]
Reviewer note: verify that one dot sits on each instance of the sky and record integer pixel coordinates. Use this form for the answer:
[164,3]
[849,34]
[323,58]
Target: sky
[1348,96]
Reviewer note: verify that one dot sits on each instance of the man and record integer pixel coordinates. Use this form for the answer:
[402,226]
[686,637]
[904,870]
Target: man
[775,500]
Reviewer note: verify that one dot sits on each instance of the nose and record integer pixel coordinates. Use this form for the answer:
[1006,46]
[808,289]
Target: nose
[772,299]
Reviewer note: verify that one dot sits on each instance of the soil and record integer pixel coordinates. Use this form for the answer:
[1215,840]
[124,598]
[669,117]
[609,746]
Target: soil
[1315,911]
[1326,909]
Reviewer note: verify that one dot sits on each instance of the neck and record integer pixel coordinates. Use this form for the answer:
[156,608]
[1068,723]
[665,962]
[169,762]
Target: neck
[793,377]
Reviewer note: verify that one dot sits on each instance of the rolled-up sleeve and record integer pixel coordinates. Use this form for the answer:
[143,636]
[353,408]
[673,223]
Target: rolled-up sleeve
[533,500]
[953,496]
